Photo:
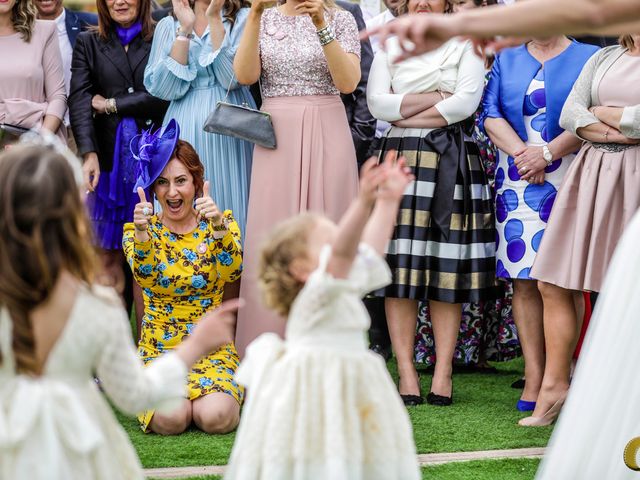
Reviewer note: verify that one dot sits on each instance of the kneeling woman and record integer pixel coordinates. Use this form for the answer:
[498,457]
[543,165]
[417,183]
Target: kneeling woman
[182,257]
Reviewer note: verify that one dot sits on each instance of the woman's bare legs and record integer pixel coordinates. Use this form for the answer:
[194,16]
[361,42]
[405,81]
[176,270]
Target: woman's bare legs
[216,413]
[563,311]
[527,314]
[445,318]
[402,317]
[174,423]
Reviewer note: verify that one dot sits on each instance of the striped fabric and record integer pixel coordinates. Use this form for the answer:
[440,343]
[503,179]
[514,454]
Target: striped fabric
[427,265]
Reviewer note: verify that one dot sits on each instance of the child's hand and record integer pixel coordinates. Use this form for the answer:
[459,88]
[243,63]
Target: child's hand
[397,177]
[371,177]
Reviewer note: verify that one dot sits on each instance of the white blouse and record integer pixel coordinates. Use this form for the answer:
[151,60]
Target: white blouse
[452,68]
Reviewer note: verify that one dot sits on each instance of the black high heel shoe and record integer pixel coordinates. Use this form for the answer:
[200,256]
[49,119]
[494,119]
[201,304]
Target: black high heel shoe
[412,400]
[439,400]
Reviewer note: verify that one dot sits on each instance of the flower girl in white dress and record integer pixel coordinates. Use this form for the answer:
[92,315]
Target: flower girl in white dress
[320,404]
[57,331]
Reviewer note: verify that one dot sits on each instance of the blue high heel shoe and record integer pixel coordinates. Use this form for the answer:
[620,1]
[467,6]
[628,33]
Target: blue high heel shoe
[525,406]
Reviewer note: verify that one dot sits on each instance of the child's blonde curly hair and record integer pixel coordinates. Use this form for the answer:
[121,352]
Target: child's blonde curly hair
[286,242]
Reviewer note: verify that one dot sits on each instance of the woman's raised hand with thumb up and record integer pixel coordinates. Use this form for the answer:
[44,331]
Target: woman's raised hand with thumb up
[141,215]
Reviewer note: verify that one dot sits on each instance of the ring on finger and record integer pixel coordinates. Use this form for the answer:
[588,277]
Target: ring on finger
[146,211]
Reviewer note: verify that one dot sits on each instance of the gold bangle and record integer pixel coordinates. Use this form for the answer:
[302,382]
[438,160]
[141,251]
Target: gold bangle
[110,106]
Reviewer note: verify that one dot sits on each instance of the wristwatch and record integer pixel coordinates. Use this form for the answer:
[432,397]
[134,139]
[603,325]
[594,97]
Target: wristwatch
[180,33]
[547,155]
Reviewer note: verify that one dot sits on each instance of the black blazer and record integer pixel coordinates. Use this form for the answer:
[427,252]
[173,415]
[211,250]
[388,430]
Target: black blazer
[77,22]
[362,123]
[103,67]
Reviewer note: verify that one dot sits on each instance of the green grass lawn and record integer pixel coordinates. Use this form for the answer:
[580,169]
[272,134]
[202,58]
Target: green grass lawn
[506,469]
[482,417]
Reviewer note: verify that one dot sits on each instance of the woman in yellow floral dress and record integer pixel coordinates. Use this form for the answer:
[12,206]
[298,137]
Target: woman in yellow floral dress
[182,257]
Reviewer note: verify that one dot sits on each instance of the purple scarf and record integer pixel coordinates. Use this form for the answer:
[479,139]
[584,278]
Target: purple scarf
[122,175]
[126,35]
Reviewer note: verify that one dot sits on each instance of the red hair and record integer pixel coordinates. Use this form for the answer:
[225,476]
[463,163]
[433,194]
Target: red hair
[188,156]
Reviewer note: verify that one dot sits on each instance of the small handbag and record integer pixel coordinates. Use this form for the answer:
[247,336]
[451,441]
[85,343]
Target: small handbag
[10,134]
[241,121]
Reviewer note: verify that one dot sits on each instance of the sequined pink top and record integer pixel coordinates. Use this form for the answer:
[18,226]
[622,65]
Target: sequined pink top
[293,63]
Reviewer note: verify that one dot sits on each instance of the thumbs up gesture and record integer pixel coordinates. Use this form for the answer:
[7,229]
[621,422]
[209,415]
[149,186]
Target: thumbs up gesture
[206,208]
[142,212]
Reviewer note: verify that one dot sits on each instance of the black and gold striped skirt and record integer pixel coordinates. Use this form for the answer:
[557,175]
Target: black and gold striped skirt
[443,246]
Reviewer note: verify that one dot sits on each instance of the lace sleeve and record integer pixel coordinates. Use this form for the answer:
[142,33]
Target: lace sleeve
[368,272]
[131,386]
[575,113]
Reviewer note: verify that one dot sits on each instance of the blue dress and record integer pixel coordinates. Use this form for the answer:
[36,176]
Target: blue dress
[530,98]
[522,208]
[194,90]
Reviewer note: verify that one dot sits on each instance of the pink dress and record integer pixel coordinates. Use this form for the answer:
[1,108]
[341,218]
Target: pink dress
[314,165]
[31,78]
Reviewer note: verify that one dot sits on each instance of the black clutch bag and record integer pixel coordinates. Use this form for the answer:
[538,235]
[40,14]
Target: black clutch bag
[242,121]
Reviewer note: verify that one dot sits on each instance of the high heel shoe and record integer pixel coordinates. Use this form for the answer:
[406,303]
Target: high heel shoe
[548,418]
[525,406]
[412,400]
[439,400]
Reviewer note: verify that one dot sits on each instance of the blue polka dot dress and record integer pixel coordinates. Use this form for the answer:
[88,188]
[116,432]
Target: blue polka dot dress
[523,209]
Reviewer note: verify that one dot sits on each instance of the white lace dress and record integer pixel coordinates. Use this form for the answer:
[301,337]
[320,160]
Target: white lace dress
[59,426]
[320,405]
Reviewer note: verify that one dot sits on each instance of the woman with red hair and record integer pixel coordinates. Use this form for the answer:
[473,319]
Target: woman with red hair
[182,257]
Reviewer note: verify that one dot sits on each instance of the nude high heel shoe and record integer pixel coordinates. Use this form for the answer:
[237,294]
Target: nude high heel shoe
[548,418]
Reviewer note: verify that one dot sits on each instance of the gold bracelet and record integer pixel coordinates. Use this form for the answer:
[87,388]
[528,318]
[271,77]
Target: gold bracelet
[606,135]
[110,106]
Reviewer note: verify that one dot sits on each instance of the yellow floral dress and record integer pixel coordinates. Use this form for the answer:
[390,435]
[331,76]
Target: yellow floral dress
[182,277]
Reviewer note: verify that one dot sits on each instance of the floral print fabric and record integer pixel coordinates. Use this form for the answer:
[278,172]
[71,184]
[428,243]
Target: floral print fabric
[182,277]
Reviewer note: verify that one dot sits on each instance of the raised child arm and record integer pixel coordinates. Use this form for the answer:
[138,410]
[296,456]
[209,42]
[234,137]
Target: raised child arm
[382,182]
[382,221]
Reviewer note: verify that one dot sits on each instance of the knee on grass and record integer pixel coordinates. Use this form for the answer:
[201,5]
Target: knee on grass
[217,417]
[173,424]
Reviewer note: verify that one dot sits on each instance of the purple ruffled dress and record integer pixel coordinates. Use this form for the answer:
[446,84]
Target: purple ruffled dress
[112,203]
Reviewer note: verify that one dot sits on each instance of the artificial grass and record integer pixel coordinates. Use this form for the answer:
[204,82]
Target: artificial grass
[503,469]
[482,417]
[191,448]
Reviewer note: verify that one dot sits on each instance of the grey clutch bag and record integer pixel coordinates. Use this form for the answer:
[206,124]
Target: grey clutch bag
[242,121]
[10,134]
